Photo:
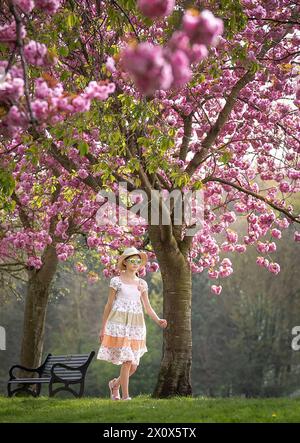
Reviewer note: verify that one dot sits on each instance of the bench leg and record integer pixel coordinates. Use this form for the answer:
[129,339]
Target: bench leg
[81,390]
[66,387]
[9,393]
[23,389]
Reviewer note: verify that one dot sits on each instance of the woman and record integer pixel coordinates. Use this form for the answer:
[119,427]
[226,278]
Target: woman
[123,331]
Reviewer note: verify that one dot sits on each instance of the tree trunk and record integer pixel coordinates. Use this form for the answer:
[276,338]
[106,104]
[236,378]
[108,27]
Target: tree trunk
[175,371]
[35,310]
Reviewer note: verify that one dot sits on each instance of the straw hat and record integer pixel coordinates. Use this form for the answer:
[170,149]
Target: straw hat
[127,253]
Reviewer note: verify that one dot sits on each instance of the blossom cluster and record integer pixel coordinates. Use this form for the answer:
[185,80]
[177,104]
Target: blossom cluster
[154,67]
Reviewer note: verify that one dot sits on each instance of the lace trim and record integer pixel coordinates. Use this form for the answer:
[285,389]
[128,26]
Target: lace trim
[120,355]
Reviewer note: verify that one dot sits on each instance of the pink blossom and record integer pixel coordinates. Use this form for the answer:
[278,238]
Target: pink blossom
[80,267]
[276,233]
[106,272]
[203,28]
[225,271]
[284,187]
[92,241]
[99,90]
[198,53]
[61,228]
[272,247]
[40,108]
[297,236]
[180,67]
[240,248]
[105,260]
[274,268]
[48,6]
[216,289]
[283,223]
[26,5]
[227,247]
[232,236]
[156,8]
[110,64]
[8,32]
[63,256]
[15,117]
[82,173]
[11,88]
[226,262]
[35,262]
[81,103]
[148,67]
[36,53]
[262,247]
[154,267]
[260,261]
[179,41]
[229,217]
[213,273]
[258,12]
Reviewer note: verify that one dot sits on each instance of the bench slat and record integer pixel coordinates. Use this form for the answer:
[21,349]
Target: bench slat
[68,357]
[68,374]
[67,362]
[31,380]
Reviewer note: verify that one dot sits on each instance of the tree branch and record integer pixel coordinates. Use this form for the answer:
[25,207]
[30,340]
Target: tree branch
[254,194]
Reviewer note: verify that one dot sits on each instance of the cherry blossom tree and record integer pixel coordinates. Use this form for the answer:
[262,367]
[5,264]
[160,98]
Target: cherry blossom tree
[49,208]
[160,96]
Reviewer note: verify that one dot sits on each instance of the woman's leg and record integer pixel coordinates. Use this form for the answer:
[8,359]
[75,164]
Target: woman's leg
[133,368]
[124,378]
[127,370]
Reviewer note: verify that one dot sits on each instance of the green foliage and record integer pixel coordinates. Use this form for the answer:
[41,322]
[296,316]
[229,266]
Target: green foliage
[71,20]
[215,70]
[239,52]
[231,11]
[116,14]
[254,67]
[7,182]
[83,147]
[226,157]
[7,186]
[174,23]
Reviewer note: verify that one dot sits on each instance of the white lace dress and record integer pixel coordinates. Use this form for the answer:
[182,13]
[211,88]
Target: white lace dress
[125,330]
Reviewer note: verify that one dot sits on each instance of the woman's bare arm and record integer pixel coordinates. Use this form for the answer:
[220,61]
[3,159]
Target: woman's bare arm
[108,306]
[147,306]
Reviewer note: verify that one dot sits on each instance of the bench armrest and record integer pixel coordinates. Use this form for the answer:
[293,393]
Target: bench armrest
[12,377]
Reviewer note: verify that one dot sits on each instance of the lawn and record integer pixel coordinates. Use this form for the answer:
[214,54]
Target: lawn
[144,409]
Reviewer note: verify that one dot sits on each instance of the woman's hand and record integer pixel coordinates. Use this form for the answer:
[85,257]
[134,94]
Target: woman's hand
[101,334]
[162,322]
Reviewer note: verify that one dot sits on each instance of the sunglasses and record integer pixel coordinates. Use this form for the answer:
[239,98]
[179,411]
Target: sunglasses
[135,261]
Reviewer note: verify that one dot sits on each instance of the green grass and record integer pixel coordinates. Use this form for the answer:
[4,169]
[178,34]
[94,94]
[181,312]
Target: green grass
[144,409]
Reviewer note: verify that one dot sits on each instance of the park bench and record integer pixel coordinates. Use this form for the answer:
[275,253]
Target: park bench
[66,369]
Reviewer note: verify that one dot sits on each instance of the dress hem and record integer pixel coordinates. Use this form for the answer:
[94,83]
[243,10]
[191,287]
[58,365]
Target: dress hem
[120,362]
